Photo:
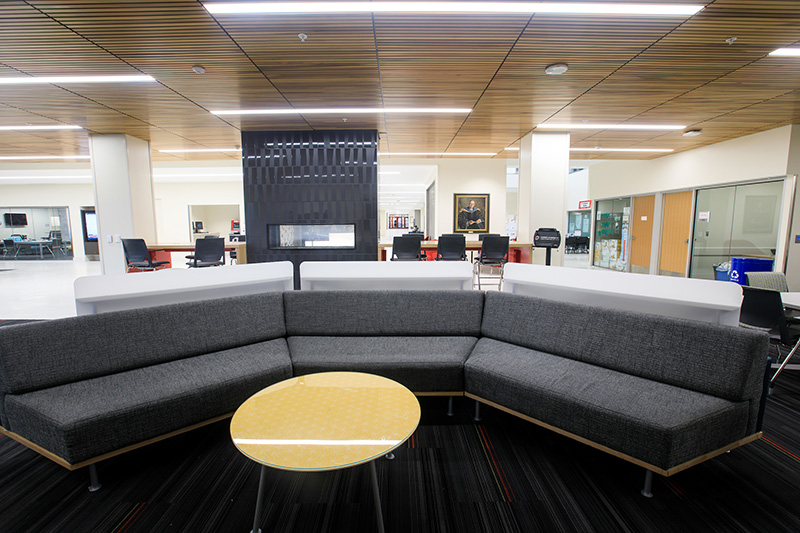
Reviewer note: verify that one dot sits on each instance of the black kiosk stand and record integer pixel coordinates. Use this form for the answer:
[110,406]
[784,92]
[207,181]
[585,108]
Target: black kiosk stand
[548,238]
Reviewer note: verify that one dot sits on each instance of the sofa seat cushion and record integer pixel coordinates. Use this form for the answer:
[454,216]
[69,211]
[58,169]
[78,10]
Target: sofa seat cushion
[423,364]
[84,419]
[660,424]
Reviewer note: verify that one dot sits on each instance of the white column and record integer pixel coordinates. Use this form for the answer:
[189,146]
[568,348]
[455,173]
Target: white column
[543,171]
[123,191]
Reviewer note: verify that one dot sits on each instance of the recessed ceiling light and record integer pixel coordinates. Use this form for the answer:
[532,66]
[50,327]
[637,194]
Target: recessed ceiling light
[599,149]
[579,8]
[785,52]
[19,80]
[692,133]
[553,126]
[556,69]
[21,157]
[442,153]
[197,69]
[50,127]
[340,111]
[188,150]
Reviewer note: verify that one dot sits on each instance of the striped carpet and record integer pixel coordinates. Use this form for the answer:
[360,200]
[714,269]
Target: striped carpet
[453,475]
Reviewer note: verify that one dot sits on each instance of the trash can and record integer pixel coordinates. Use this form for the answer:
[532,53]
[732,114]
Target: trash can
[741,265]
[721,271]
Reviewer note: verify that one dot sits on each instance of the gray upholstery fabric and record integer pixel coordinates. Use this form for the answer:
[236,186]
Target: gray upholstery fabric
[371,313]
[422,364]
[45,354]
[655,422]
[81,420]
[723,361]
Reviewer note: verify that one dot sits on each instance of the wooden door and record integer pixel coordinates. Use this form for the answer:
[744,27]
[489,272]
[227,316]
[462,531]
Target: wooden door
[642,233]
[675,228]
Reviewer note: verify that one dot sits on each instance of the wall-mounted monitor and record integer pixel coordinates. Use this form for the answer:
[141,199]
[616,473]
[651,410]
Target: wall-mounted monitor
[311,236]
[15,219]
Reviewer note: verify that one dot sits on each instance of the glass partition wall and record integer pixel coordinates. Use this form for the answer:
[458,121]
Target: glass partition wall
[737,221]
[39,233]
[611,234]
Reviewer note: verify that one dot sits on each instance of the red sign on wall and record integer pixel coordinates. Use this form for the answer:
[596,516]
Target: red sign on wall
[585,204]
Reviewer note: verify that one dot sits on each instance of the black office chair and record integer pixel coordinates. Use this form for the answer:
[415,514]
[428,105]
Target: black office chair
[236,237]
[138,256]
[406,248]
[494,253]
[482,236]
[451,248]
[763,309]
[571,245]
[208,253]
[9,247]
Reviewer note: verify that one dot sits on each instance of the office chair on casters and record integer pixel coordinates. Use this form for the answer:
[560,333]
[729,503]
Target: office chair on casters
[208,253]
[763,309]
[494,253]
[138,256]
[406,248]
[451,248]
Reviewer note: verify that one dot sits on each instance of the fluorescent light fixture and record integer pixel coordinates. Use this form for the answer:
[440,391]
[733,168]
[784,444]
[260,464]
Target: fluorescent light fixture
[441,153]
[576,8]
[785,52]
[340,111]
[386,173]
[658,127]
[316,442]
[512,148]
[21,157]
[596,149]
[60,80]
[197,150]
[52,127]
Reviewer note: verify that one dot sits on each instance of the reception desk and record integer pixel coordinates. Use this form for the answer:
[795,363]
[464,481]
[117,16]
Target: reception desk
[518,252]
[163,252]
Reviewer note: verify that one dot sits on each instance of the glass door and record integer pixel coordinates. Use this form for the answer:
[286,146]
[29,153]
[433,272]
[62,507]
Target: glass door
[611,235]
[737,221]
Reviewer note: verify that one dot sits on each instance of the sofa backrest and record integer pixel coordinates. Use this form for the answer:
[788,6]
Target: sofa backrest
[44,354]
[724,361]
[373,313]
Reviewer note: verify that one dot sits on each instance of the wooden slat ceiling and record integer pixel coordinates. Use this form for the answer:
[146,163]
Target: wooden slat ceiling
[622,69]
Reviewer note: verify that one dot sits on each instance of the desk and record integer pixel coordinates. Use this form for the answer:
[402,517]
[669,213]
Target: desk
[384,275]
[114,292]
[325,421]
[161,252]
[692,299]
[518,252]
[30,245]
[791,300]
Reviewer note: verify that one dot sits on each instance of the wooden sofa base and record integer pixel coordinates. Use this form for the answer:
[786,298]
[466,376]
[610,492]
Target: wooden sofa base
[639,462]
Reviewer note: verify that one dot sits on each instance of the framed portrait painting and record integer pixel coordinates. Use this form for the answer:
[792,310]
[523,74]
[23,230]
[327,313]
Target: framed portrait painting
[470,213]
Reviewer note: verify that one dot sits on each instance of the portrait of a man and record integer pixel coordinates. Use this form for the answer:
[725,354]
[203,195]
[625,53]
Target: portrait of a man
[471,213]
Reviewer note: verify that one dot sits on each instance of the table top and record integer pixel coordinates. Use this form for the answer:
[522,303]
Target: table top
[188,247]
[791,299]
[325,421]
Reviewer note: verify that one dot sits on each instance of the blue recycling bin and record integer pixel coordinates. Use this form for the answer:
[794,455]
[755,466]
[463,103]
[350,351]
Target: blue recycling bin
[740,265]
[722,273]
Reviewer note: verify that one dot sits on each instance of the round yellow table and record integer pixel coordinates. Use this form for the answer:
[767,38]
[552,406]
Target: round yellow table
[324,421]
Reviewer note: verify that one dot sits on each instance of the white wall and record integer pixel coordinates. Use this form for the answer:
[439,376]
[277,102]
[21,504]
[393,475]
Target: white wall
[173,201]
[761,155]
[466,176]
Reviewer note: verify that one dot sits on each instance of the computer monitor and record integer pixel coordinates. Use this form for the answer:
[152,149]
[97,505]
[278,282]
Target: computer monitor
[197,227]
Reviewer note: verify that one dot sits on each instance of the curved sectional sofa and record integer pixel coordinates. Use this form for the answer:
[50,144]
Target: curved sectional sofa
[662,393]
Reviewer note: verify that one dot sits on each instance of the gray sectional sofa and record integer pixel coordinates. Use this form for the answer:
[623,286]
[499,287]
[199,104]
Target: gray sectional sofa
[662,393]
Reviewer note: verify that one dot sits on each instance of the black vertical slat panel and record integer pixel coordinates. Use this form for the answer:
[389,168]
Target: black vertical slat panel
[311,177]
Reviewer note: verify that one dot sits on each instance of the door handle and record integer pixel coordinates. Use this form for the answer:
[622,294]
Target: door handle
[686,241]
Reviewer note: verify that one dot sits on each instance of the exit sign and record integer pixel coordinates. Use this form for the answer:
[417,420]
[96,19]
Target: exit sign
[585,204]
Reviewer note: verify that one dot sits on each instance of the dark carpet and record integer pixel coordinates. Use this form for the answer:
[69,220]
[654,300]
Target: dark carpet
[500,475]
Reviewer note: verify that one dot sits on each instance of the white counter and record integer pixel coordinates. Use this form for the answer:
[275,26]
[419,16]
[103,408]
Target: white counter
[100,294]
[381,275]
[692,299]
